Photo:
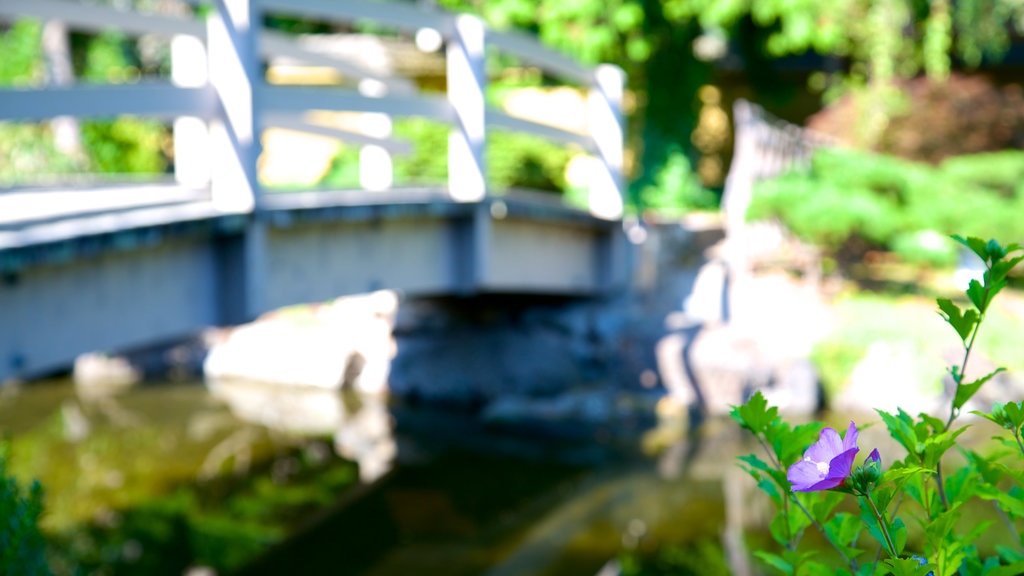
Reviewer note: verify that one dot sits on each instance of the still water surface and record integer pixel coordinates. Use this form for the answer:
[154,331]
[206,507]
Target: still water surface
[249,479]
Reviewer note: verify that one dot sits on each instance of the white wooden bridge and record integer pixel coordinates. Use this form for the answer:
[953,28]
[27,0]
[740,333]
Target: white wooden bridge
[96,266]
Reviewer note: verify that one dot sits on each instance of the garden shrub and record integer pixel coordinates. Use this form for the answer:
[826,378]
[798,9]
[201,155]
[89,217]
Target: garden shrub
[676,189]
[850,202]
[22,547]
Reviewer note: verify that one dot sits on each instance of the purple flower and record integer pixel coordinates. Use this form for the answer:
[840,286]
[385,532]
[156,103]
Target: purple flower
[826,464]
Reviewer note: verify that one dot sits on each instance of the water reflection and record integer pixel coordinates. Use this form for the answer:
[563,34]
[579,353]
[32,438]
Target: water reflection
[360,426]
[246,478]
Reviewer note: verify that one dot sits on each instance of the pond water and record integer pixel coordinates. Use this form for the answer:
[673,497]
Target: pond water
[248,479]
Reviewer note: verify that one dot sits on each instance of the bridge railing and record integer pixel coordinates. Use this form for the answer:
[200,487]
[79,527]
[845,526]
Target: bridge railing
[220,101]
[765,146]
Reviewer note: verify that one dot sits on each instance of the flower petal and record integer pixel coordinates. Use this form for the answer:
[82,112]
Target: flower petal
[828,446]
[839,467]
[850,441]
[802,475]
[826,484]
[875,457]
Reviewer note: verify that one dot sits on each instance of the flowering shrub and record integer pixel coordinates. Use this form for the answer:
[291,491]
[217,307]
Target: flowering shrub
[813,484]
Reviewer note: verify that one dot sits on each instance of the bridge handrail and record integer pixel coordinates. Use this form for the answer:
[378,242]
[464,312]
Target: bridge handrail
[764,146]
[234,49]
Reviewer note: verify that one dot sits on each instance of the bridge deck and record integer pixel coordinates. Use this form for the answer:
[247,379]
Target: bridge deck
[126,266]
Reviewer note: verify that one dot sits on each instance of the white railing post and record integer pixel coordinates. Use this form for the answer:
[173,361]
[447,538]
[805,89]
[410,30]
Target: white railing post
[604,117]
[466,84]
[234,74]
[67,134]
[192,163]
[376,169]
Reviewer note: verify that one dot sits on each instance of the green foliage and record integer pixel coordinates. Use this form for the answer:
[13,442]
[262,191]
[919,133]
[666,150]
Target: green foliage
[676,190]
[428,162]
[27,150]
[22,548]
[123,145]
[914,491]
[852,201]
[512,161]
[22,50]
[126,145]
[523,161]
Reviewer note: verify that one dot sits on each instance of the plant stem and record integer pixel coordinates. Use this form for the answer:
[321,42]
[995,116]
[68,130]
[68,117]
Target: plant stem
[882,525]
[771,455]
[953,410]
[785,501]
[778,466]
[939,485]
[1009,524]
[852,563]
[1016,436]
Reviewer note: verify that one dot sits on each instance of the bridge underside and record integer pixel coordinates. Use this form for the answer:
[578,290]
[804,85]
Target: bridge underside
[145,276]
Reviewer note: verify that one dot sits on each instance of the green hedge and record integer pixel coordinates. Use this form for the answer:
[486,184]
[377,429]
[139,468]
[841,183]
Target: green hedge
[852,201]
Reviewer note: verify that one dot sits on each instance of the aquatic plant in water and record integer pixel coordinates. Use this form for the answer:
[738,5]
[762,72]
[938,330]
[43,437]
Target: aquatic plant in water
[809,479]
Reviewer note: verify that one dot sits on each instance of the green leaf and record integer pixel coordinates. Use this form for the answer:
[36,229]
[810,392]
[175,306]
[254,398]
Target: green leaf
[976,293]
[964,392]
[755,415]
[1000,269]
[1014,413]
[1010,504]
[770,488]
[755,463]
[962,322]
[902,430]
[898,530]
[843,530]
[960,485]
[934,447]
[983,467]
[775,561]
[824,504]
[906,567]
[993,417]
[903,473]
[1015,569]
[779,529]
[1010,555]
[976,245]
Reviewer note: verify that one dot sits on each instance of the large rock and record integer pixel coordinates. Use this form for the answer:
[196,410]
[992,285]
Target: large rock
[345,342]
